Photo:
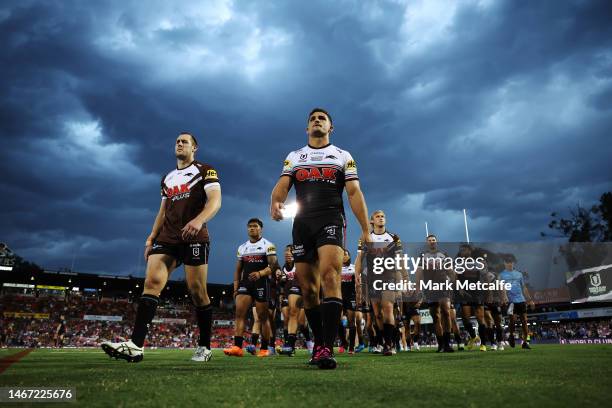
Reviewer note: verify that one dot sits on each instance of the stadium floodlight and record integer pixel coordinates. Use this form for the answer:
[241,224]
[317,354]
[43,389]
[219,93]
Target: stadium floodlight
[426,230]
[290,210]
[467,235]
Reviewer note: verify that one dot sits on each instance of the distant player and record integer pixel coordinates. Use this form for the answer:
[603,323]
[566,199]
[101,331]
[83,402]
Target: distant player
[320,172]
[191,196]
[471,301]
[382,301]
[439,300]
[256,263]
[293,298]
[518,298]
[349,301]
[60,332]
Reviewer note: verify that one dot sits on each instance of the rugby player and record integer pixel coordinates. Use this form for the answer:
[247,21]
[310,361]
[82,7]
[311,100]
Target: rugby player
[471,301]
[439,301]
[190,197]
[518,298]
[256,263]
[349,300]
[383,301]
[293,299]
[320,172]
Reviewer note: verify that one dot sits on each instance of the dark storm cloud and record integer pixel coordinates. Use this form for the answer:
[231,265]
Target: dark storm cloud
[502,108]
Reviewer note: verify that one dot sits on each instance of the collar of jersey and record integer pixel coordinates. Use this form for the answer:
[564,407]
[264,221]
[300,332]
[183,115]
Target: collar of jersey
[319,148]
[185,166]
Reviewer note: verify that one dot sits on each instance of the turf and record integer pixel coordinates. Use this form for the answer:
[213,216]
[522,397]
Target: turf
[551,375]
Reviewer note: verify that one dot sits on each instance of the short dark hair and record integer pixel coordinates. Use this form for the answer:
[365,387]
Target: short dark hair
[289,246]
[431,236]
[195,142]
[323,111]
[256,220]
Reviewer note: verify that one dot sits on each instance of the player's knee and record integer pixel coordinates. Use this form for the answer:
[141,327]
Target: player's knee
[153,283]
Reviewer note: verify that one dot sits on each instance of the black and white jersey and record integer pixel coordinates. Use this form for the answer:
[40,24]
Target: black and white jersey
[254,256]
[319,176]
[348,278]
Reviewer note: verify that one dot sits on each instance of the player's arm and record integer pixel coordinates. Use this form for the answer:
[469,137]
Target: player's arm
[358,205]
[213,203]
[358,293]
[237,273]
[267,271]
[278,197]
[528,297]
[157,224]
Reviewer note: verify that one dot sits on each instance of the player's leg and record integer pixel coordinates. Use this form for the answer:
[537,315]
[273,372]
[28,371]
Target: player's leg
[489,323]
[285,313]
[196,277]
[455,328]
[416,337]
[352,330]
[310,283]
[303,325]
[499,331]
[330,267]
[359,330]
[243,302]
[377,325]
[159,267]
[388,322]
[263,313]
[434,312]
[293,317]
[467,310]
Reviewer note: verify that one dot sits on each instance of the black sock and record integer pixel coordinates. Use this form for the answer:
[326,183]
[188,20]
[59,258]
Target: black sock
[440,342]
[144,315]
[379,336]
[291,340]
[397,336]
[314,321]
[482,333]
[264,344]
[285,334]
[458,339]
[342,335]
[447,338]
[351,339]
[305,332]
[359,336]
[371,337]
[331,310]
[388,334]
[254,338]
[415,338]
[500,334]
[491,334]
[204,316]
[238,341]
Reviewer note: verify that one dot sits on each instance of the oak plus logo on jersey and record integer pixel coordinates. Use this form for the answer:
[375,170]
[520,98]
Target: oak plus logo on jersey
[313,173]
[177,192]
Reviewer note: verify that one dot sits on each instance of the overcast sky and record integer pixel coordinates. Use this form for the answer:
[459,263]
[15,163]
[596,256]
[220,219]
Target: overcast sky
[503,108]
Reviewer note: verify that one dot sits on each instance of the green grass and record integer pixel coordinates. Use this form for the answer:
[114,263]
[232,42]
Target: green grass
[551,375]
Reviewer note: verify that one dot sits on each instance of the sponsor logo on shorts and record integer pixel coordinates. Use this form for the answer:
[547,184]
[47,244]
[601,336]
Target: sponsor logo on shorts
[298,250]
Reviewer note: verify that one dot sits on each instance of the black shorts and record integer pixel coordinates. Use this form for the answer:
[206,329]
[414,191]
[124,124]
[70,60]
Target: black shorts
[410,311]
[258,290]
[191,254]
[311,233]
[520,308]
[272,303]
[349,302]
[294,289]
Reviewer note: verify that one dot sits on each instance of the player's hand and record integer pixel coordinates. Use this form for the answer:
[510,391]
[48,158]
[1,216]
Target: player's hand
[253,276]
[531,305]
[366,237]
[147,249]
[191,230]
[276,210]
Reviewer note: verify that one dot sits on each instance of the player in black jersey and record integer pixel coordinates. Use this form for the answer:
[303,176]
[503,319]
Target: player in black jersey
[320,172]
[190,197]
[256,263]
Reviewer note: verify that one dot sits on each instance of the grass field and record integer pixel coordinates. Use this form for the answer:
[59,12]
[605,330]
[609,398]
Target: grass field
[548,375]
